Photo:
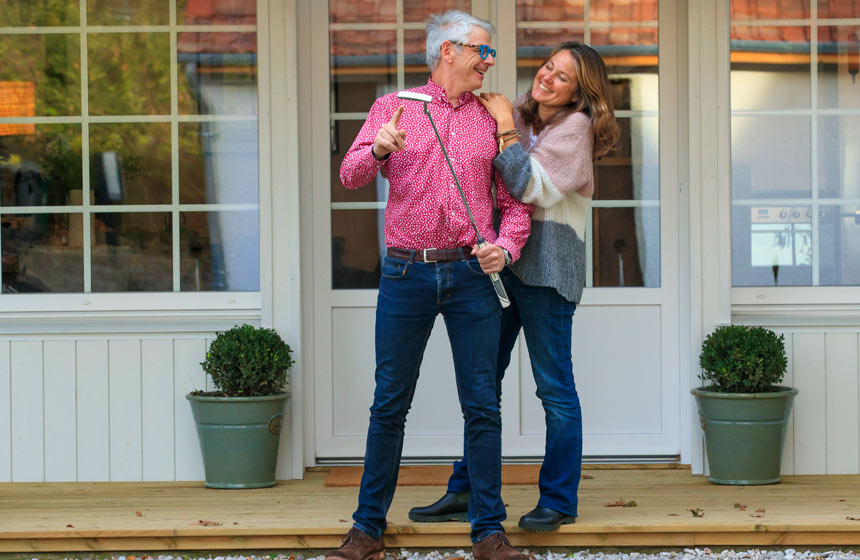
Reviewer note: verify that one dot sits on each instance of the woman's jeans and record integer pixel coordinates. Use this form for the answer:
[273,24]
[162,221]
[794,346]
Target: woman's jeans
[547,321]
[411,295]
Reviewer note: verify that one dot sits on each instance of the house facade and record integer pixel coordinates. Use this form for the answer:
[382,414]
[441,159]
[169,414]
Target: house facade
[168,168]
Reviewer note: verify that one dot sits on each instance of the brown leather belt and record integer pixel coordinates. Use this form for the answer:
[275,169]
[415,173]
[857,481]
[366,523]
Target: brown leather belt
[430,255]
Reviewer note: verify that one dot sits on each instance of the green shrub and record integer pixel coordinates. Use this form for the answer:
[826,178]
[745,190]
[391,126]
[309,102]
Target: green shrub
[740,359]
[248,362]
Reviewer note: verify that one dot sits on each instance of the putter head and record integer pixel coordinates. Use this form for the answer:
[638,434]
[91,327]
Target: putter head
[423,97]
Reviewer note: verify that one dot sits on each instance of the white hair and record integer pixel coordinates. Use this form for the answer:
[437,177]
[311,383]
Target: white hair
[453,25]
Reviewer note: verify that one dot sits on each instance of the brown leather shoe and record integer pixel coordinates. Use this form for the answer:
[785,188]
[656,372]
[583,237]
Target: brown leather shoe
[497,547]
[358,546]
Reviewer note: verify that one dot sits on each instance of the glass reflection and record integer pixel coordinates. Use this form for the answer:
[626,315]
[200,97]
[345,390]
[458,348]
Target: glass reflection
[840,245]
[771,156]
[839,156]
[41,13]
[632,172]
[40,164]
[624,10]
[357,246]
[344,134]
[771,9]
[218,163]
[40,75]
[626,247]
[41,253]
[132,252]
[420,10]
[838,66]
[130,163]
[350,11]
[129,73]
[550,10]
[771,245]
[363,67]
[219,251]
[415,59]
[770,68]
[123,12]
[831,9]
[217,73]
[223,12]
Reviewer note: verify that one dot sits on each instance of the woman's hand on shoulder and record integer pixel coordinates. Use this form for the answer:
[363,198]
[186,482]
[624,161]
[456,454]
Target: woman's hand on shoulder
[499,107]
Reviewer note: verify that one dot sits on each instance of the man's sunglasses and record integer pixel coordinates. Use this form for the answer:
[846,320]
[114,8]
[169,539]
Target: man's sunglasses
[483,50]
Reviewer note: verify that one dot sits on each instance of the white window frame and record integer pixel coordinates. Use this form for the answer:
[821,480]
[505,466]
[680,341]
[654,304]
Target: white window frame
[29,312]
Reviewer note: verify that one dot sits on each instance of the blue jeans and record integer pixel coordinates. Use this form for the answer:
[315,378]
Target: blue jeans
[411,295]
[547,320]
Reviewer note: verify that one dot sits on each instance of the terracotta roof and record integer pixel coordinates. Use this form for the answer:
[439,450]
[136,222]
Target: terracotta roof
[219,12]
[17,99]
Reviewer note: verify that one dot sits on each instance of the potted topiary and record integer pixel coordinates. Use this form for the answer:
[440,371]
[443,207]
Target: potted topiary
[742,408]
[239,423]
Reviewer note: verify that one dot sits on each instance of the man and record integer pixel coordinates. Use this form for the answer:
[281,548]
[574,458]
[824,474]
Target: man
[433,266]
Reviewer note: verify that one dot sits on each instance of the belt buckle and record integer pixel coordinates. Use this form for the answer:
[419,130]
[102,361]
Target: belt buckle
[426,260]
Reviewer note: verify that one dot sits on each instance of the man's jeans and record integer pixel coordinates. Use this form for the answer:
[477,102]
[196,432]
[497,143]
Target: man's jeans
[411,295]
[547,320]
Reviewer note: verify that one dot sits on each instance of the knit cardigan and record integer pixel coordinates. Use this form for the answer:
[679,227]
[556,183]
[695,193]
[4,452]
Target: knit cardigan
[556,175]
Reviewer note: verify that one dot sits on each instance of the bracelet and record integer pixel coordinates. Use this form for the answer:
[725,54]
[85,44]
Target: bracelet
[503,139]
[507,132]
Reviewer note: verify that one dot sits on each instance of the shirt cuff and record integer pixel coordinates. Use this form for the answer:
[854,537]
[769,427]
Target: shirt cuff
[512,247]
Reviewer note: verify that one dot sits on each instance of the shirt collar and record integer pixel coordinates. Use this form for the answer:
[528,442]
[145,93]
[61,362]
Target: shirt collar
[438,93]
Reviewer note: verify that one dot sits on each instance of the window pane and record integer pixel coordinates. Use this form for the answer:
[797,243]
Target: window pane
[771,157]
[363,67]
[219,251]
[771,9]
[420,10]
[771,246]
[357,243]
[840,245]
[633,171]
[40,75]
[838,66]
[131,252]
[839,156]
[42,253]
[130,163]
[626,247]
[124,12]
[770,68]
[218,163]
[550,10]
[40,166]
[223,12]
[217,73]
[624,10]
[342,137]
[129,73]
[632,62]
[415,58]
[841,9]
[28,13]
[350,11]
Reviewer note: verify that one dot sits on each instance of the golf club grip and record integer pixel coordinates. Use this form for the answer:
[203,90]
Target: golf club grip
[500,289]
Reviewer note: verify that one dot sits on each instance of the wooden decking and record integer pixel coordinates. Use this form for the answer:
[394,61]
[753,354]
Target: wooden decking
[801,511]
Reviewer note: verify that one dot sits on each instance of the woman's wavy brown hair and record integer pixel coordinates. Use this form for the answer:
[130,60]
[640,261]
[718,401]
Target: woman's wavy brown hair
[594,99]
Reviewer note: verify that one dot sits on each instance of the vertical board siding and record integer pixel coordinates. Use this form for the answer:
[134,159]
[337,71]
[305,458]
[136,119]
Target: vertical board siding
[93,411]
[810,423]
[5,412]
[28,420]
[60,411]
[787,464]
[125,410]
[187,376]
[157,409]
[842,404]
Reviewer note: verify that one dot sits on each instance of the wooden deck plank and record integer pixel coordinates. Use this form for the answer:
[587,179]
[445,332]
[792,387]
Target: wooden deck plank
[803,510]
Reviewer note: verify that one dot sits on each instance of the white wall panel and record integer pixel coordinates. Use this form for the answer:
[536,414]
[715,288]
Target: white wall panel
[842,404]
[5,413]
[125,410]
[810,424]
[157,408]
[28,426]
[60,411]
[787,464]
[93,407]
[188,376]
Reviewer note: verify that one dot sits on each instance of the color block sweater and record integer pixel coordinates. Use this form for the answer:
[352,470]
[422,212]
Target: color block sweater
[555,175]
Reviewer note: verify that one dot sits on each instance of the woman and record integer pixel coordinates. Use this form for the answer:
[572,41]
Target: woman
[548,141]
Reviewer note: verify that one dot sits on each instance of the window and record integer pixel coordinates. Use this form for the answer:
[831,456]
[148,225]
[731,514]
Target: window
[795,143]
[624,237]
[128,146]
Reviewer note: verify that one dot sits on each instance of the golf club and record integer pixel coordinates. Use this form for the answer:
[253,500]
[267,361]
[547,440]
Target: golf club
[424,98]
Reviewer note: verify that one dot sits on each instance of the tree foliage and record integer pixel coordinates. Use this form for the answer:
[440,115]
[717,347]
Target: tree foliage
[741,359]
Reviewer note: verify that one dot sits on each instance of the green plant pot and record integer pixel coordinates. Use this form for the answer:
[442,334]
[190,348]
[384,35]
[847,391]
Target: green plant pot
[744,433]
[239,438]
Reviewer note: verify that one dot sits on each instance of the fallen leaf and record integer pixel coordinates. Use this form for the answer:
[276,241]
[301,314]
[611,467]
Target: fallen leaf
[343,520]
[696,512]
[741,507]
[849,518]
[138,514]
[672,514]
[207,523]
[760,510]
[621,503]
[587,477]
[756,515]
[69,525]
[843,500]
